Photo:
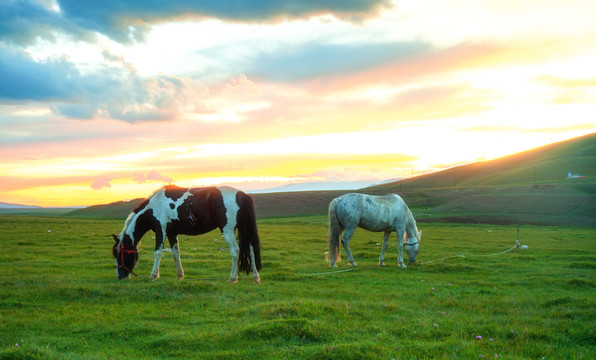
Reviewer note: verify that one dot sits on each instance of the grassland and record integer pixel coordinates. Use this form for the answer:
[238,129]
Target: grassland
[59,298]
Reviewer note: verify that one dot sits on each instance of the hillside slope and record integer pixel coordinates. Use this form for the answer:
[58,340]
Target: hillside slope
[115,210]
[548,164]
[528,187]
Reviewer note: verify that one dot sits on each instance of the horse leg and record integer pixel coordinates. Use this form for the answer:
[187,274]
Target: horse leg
[255,273]
[159,238]
[384,248]
[345,240]
[400,246]
[176,255]
[234,251]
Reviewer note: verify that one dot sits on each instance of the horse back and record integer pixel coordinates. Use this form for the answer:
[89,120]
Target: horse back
[191,211]
[374,213]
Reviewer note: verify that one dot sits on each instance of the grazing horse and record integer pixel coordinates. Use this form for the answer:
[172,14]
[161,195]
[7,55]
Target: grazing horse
[374,213]
[173,210]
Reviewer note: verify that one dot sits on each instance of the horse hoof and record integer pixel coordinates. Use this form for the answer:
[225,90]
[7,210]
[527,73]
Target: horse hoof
[233,281]
[381,263]
[154,276]
[180,277]
[403,266]
[257,280]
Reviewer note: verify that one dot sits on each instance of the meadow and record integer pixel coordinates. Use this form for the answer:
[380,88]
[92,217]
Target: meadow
[60,299]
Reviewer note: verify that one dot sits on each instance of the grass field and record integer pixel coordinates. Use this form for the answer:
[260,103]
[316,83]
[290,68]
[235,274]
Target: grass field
[59,298]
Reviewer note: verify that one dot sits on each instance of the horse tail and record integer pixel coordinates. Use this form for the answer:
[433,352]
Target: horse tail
[335,229]
[247,233]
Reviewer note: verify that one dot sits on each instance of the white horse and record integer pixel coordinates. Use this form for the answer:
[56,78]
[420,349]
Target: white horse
[388,213]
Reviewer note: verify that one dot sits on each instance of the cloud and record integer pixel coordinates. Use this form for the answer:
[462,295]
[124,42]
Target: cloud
[434,63]
[309,61]
[240,85]
[22,22]
[569,91]
[151,176]
[25,79]
[556,81]
[113,91]
[129,21]
[102,181]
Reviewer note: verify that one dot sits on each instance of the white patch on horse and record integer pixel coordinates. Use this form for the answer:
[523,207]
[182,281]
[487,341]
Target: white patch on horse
[159,203]
[162,212]
[126,224]
[228,195]
[229,199]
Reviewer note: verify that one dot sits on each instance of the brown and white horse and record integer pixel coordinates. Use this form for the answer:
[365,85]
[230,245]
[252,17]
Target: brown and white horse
[173,210]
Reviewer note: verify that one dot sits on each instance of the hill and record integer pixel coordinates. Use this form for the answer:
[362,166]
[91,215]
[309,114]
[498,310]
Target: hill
[4,205]
[530,187]
[549,164]
[527,187]
[115,210]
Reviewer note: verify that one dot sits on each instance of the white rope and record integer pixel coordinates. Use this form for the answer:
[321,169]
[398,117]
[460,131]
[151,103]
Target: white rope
[463,256]
[445,258]
[502,252]
[329,272]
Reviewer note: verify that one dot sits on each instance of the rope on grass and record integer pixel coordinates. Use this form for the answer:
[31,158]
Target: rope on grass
[445,258]
[330,272]
[463,256]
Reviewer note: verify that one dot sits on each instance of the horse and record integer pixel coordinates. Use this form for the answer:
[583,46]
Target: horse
[174,210]
[387,213]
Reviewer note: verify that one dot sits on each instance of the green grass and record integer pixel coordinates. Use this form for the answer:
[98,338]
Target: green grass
[59,298]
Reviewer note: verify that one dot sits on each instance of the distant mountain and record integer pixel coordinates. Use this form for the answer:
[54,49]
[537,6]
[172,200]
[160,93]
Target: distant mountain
[4,205]
[119,209]
[317,186]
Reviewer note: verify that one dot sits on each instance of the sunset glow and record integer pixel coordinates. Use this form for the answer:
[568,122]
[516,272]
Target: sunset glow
[101,106]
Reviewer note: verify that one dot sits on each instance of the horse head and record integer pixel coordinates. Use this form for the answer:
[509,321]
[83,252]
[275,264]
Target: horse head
[126,258]
[413,247]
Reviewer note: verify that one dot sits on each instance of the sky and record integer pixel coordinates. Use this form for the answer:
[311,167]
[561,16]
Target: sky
[107,101]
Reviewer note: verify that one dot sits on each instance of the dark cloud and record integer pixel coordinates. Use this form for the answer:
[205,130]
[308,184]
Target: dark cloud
[113,91]
[128,21]
[25,79]
[22,21]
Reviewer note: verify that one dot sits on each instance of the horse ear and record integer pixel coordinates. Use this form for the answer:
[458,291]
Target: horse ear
[419,234]
[115,238]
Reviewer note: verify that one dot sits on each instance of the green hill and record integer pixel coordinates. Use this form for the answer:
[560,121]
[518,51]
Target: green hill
[548,164]
[528,187]
[115,210]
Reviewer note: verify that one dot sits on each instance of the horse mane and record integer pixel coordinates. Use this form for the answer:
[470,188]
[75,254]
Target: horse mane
[411,227]
[141,205]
